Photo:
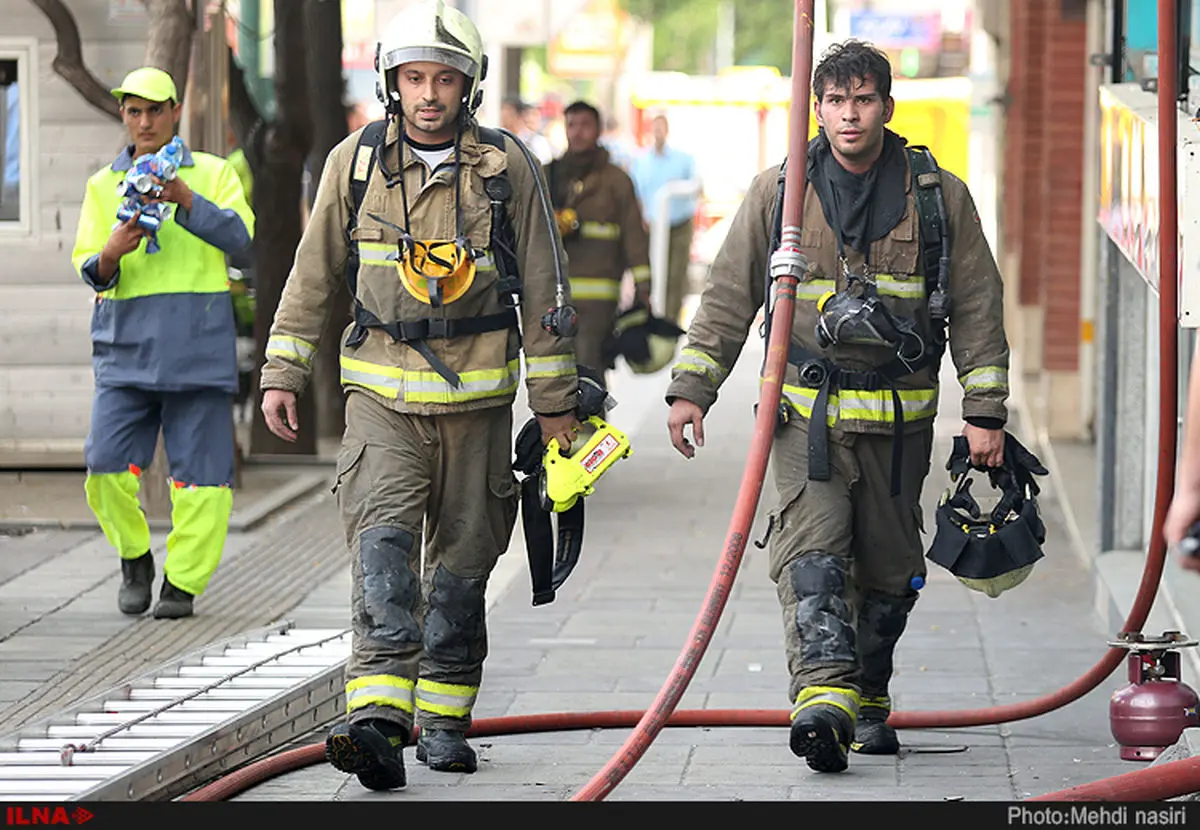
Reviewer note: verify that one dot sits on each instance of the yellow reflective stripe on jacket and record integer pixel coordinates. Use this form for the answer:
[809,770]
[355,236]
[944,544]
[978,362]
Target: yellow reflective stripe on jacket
[554,366]
[379,690]
[641,273]
[889,286]
[595,288]
[446,699]
[697,362]
[815,289]
[430,387]
[376,252]
[862,405]
[382,380]
[600,230]
[985,377]
[291,348]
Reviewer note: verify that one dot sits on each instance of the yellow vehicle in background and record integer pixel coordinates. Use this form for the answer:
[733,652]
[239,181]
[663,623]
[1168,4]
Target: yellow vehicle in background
[735,124]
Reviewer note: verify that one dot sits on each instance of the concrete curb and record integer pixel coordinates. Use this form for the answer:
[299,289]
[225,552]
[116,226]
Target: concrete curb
[242,520]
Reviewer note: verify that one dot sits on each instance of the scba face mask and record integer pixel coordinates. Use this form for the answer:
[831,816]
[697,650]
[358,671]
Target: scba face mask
[860,318]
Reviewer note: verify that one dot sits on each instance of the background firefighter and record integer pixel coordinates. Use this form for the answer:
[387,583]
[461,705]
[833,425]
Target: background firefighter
[164,352]
[853,447]
[430,367]
[600,220]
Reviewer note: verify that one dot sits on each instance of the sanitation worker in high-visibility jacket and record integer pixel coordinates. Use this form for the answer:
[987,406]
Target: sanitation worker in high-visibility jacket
[163,350]
[860,392]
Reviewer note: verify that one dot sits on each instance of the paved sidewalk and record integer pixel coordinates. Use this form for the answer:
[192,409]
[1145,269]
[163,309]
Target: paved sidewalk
[654,535]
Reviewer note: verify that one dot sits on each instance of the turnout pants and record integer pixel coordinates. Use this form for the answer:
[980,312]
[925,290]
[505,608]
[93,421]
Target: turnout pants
[843,554]
[197,430]
[419,633]
[679,254]
[596,320]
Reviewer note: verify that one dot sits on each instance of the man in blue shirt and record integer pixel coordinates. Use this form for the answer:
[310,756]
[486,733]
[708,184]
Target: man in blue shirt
[653,169]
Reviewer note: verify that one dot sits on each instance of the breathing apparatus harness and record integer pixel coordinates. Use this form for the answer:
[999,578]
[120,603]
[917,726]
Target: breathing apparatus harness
[423,259]
[856,315]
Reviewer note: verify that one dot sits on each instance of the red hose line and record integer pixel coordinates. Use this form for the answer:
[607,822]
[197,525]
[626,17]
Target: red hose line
[1155,783]
[766,415]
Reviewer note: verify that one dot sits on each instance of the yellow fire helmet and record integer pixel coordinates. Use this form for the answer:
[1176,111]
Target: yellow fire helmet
[437,273]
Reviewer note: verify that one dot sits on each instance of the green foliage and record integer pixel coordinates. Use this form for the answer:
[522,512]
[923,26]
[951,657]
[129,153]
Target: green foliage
[685,33]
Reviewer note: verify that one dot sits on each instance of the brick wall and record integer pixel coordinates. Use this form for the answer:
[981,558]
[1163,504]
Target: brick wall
[1044,169]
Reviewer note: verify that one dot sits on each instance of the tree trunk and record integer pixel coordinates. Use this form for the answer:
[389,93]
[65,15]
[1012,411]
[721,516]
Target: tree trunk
[323,41]
[68,60]
[169,46]
[277,191]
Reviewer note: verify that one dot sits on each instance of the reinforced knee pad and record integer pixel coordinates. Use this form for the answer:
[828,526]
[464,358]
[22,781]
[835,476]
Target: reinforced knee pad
[454,624]
[390,589]
[823,617]
[881,621]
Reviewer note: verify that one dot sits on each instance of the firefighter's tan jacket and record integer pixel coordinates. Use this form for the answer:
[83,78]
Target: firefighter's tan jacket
[611,237]
[488,364]
[734,295]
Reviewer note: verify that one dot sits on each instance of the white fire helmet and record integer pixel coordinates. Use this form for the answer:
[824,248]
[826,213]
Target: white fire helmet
[430,31]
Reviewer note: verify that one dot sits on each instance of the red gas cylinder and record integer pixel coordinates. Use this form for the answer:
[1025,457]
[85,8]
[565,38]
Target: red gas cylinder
[1150,714]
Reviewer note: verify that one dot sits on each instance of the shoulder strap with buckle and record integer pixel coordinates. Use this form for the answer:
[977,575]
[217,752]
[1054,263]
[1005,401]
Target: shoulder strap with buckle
[416,332]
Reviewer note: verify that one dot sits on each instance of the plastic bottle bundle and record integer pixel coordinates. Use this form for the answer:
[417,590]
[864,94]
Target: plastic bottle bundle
[139,187]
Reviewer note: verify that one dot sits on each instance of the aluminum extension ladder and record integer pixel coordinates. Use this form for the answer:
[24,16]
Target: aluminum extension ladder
[183,724]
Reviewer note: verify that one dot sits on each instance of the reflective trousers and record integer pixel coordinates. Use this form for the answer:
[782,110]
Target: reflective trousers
[197,429]
[428,505]
[844,553]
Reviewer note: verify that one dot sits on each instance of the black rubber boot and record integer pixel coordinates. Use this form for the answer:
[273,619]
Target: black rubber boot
[872,735]
[363,749]
[821,736]
[173,603]
[137,584]
[445,751]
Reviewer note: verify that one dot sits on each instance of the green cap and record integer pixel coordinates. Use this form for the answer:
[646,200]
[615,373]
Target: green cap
[149,83]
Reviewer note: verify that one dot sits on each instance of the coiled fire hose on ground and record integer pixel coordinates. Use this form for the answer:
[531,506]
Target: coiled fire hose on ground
[1154,783]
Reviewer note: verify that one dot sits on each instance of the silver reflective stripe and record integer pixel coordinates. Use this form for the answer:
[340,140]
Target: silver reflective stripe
[691,360]
[854,405]
[988,377]
[600,230]
[444,703]
[402,697]
[290,347]
[376,252]
[370,379]
[429,387]
[888,286]
[436,385]
[548,367]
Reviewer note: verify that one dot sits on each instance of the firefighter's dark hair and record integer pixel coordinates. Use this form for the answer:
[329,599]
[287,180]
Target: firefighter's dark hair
[849,60]
[583,106]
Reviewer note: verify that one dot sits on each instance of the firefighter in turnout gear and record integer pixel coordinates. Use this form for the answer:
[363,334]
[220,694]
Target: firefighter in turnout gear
[164,351]
[600,220]
[860,394]
[444,225]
